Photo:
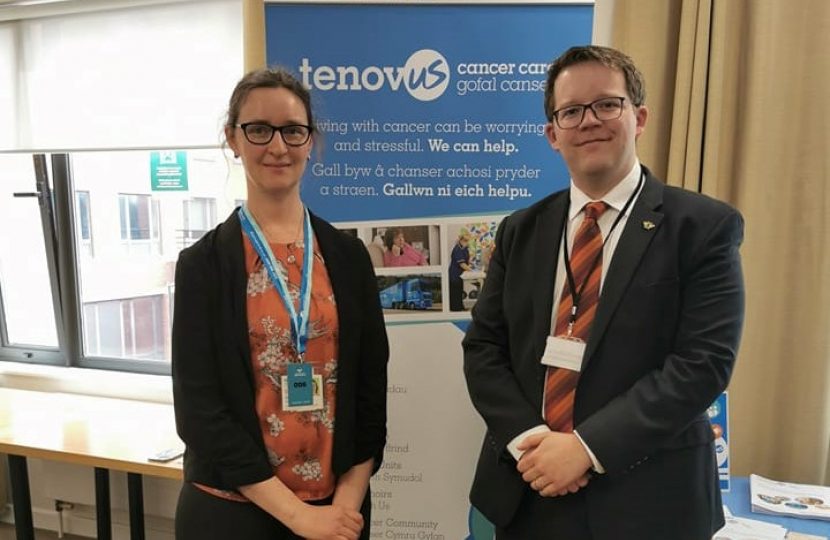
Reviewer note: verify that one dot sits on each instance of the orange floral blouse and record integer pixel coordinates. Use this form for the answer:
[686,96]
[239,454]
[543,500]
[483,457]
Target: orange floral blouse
[299,444]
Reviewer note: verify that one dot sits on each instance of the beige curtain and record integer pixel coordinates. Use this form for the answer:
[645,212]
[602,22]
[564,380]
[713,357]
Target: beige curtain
[739,96]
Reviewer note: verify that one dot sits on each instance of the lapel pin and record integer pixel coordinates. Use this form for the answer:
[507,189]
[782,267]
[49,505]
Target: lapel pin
[648,225]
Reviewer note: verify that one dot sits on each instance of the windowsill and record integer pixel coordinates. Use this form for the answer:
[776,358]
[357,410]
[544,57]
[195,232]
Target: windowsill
[94,382]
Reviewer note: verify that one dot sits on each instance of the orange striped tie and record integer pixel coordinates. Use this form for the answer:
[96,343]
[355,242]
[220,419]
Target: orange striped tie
[560,383]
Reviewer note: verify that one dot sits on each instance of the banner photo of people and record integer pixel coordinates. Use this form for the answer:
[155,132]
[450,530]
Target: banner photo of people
[431,126]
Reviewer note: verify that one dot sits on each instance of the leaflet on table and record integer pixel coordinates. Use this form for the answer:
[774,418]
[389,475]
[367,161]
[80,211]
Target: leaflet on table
[792,535]
[788,499]
[748,529]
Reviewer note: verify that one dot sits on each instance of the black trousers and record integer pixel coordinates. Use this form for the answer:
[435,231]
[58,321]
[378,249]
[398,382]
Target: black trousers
[202,516]
[548,518]
[456,295]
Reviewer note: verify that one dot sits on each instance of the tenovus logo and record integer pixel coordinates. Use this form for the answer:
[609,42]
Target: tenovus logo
[425,75]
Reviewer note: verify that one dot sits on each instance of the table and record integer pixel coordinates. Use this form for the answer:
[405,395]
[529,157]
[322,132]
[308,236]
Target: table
[104,433]
[739,504]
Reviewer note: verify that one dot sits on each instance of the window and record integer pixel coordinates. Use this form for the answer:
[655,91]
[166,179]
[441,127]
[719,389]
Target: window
[199,217]
[129,328]
[126,291]
[139,223]
[84,227]
[124,299]
[87,277]
[25,281]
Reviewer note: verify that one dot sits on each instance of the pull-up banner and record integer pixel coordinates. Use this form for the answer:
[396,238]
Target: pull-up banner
[432,128]
[427,110]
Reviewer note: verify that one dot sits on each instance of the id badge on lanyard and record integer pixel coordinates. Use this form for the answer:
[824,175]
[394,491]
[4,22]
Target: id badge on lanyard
[302,389]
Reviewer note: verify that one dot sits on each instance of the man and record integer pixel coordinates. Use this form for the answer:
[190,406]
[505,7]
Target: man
[603,333]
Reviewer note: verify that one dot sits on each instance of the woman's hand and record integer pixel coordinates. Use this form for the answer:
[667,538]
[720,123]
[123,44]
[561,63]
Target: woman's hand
[325,523]
[335,522]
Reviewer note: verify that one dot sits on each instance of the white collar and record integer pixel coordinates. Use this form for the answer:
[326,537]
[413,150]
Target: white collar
[616,198]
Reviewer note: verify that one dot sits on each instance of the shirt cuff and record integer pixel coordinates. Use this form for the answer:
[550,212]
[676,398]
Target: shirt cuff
[596,466]
[512,445]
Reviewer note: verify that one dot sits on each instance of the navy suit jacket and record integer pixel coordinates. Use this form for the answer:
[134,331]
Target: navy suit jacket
[661,349]
[213,382]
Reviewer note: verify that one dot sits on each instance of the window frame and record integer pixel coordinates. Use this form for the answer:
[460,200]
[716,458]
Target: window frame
[58,211]
[31,353]
[59,223]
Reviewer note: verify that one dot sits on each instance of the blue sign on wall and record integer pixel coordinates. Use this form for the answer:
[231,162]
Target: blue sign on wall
[426,110]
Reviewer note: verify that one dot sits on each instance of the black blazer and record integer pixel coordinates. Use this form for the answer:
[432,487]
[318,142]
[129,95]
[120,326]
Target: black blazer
[661,349]
[213,383]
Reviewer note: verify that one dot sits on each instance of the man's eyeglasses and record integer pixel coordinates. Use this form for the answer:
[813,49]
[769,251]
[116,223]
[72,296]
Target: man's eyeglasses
[262,134]
[569,117]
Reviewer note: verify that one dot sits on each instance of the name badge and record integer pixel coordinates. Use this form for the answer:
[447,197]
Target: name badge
[302,389]
[564,353]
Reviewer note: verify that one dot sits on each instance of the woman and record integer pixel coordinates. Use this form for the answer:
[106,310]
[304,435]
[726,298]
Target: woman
[399,253]
[279,351]
[459,263]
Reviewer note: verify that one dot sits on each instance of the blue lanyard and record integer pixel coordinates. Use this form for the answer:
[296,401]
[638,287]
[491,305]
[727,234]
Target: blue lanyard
[299,321]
